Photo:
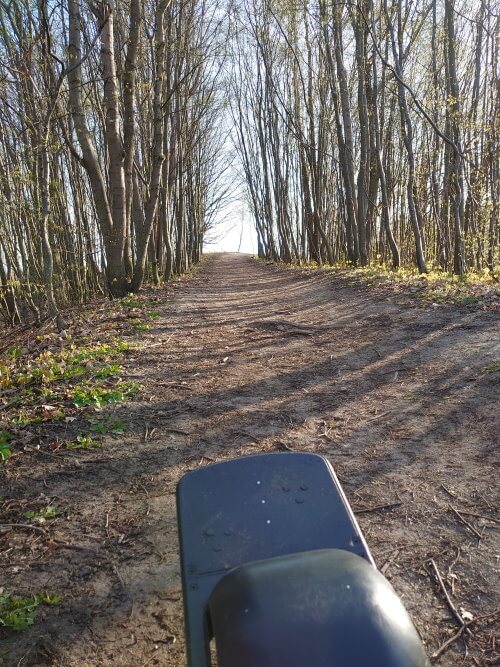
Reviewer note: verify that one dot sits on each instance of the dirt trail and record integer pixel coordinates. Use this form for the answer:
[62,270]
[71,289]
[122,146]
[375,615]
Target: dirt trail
[249,358]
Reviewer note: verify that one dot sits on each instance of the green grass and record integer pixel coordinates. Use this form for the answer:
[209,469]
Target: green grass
[130,301]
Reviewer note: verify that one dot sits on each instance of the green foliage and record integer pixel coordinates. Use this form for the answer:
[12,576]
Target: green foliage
[51,385]
[25,419]
[5,376]
[85,395]
[492,368]
[410,273]
[130,301]
[5,451]
[73,362]
[78,374]
[468,299]
[19,613]
[83,442]
[142,326]
[73,371]
[41,515]
[46,392]
[108,371]
[105,426]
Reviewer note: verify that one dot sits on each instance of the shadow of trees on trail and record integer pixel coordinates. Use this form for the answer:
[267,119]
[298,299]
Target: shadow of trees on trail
[379,389]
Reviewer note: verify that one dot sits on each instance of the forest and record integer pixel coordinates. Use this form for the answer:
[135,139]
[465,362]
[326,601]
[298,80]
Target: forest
[357,142]
[360,133]
[110,154]
[368,132]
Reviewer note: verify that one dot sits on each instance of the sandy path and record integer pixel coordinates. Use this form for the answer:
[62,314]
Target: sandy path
[248,358]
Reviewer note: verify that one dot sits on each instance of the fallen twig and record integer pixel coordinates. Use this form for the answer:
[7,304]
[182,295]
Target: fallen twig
[38,529]
[118,575]
[450,493]
[76,547]
[452,607]
[437,654]
[383,414]
[25,526]
[365,510]
[176,384]
[390,561]
[282,446]
[479,516]
[465,522]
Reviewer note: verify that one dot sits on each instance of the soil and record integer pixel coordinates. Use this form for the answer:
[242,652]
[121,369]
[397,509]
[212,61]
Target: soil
[247,358]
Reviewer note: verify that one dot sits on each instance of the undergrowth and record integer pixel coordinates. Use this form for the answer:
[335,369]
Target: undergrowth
[17,613]
[59,384]
[434,287]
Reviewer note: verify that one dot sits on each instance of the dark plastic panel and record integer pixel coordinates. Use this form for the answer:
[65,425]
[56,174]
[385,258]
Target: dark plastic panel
[249,509]
[326,608]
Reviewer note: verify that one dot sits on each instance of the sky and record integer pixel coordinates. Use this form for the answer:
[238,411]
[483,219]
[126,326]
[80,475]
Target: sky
[233,233]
